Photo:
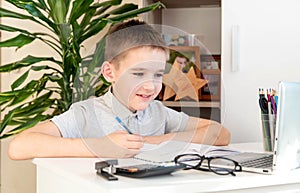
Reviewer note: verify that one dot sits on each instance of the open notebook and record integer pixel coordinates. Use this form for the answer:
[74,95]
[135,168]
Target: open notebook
[165,152]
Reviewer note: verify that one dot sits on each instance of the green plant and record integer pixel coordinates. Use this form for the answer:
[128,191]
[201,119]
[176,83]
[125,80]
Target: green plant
[68,24]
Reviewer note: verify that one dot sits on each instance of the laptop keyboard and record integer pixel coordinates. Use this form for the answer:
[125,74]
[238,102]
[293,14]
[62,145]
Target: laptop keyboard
[262,162]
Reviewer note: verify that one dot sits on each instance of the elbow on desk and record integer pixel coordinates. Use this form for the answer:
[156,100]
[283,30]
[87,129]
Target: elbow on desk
[16,150]
[223,137]
[12,151]
[227,137]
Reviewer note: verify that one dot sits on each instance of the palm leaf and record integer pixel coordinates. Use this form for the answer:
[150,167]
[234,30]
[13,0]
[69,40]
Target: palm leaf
[13,29]
[135,13]
[58,10]
[18,41]
[25,94]
[123,9]
[32,10]
[87,18]
[20,3]
[79,8]
[35,107]
[7,118]
[108,3]
[30,122]
[27,61]
[7,13]
[19,81]
[95,29]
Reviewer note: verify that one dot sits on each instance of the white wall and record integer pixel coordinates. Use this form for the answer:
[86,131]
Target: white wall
[269,52]
[202,21]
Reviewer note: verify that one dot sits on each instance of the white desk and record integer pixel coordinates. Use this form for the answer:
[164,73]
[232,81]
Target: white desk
[77,175]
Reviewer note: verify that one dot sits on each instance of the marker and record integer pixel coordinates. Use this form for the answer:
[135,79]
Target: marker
[123,124]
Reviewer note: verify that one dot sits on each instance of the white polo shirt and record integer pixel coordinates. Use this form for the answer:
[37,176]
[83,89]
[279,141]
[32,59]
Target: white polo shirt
[96,117]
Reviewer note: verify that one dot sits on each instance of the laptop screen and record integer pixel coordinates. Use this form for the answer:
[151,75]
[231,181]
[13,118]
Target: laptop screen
[287,136]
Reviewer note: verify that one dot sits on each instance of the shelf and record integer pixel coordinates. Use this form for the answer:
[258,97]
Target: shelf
[191,3]
[209,64]
[207,104]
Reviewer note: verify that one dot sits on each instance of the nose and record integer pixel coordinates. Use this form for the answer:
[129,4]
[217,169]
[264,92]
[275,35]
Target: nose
[149,85]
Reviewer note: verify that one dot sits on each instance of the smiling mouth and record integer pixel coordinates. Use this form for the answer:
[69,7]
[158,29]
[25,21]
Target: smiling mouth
[144,96]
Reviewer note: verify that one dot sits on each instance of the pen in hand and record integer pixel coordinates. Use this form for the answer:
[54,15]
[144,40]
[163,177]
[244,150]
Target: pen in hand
[123,124]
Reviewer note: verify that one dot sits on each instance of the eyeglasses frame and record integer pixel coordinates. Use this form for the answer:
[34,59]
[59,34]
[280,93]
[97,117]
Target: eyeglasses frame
[237,166]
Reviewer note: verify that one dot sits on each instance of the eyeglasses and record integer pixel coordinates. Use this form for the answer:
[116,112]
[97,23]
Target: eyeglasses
[218,165]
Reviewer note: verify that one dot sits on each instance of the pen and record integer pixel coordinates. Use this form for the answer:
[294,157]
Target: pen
[274,103]
[271,124]
[268,95]
[263,102]
[123,124]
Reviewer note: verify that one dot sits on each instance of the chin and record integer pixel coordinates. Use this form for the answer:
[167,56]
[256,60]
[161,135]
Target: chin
[141,107]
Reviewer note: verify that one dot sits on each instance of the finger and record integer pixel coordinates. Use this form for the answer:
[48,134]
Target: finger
[133,145]
[121,131]
[131,153]
[134,137]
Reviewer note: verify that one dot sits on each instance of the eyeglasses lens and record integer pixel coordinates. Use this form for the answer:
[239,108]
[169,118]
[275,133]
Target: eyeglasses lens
[222,166]
[190,160]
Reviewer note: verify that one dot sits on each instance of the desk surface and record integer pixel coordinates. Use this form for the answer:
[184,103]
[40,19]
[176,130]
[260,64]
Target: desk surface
[79,173]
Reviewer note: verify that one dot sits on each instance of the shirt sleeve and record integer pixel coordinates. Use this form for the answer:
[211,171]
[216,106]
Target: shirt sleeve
[175,121]
[70,122]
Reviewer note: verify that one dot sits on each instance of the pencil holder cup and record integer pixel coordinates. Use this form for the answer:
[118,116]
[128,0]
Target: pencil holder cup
[268,128]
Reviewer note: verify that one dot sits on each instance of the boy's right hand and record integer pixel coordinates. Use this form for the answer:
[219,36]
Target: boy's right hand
[118,144]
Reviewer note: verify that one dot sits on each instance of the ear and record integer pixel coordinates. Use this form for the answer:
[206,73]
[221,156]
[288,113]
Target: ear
[107,71]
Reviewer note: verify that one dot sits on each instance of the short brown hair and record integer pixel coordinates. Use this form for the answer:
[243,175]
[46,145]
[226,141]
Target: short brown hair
[131,34]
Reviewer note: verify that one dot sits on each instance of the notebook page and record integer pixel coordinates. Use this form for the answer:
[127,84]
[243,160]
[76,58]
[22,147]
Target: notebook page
[167,151]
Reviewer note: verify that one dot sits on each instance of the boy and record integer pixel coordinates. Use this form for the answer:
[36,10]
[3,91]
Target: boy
[118,123]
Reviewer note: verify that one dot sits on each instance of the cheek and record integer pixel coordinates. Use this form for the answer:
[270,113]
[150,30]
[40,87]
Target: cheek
[158,86]
[126,88]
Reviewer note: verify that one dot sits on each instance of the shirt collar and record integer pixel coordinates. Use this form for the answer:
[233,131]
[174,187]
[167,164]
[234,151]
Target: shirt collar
[118,108]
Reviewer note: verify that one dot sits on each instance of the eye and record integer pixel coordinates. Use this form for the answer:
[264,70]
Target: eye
[159,75]
[138,73]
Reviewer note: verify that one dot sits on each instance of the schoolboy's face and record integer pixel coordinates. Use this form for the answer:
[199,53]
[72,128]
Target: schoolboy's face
[138,79]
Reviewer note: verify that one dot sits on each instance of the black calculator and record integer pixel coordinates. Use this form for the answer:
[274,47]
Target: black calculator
[147,170]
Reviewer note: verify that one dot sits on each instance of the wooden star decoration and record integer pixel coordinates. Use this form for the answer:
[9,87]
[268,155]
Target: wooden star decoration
[189,85]
[168,80]
[182,85]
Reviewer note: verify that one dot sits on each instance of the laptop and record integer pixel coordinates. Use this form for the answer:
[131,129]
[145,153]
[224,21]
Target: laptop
[286,154]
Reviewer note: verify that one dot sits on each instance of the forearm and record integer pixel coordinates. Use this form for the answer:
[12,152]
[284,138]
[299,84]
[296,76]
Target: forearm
[214,134]
[33,144]
[208,132]
[187,136]
[198,131]
[198,136]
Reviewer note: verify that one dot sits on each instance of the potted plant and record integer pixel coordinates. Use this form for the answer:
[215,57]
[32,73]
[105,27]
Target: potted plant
[67,25]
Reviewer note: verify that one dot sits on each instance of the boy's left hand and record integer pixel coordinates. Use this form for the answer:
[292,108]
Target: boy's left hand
[118,144]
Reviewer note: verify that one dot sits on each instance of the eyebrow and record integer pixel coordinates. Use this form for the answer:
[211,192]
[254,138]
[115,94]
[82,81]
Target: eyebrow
[145,69]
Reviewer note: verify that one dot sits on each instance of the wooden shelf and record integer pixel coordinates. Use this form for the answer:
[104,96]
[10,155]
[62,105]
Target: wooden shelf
[209,65]
[207,104]
[190,3]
